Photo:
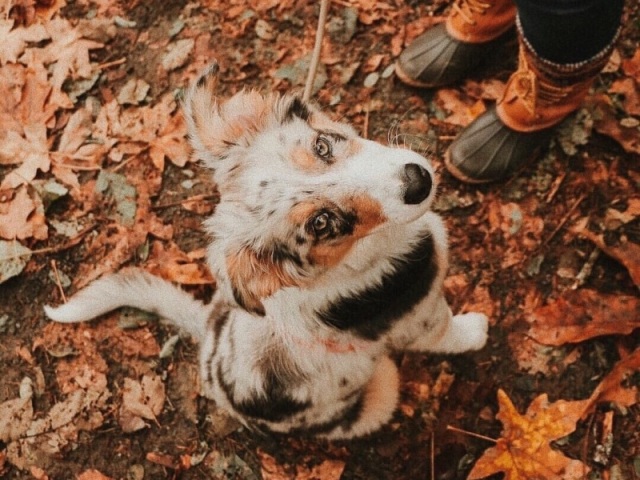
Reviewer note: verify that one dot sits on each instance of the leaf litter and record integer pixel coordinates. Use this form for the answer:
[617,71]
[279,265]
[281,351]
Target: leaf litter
[92,150]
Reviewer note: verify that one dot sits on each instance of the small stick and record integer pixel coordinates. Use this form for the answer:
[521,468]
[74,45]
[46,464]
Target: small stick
[113,63]
[564,219]
[195,198]
[365,127]
[317,47]
[433,457]
[556,187]
[58,282]
[471,434]
[586,269]
[71,243]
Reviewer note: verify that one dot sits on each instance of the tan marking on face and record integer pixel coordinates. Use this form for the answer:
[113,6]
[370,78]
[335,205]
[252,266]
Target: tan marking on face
[370,215]
[304,159]
[255,277]
[320,121]
[354,146]
[300,213]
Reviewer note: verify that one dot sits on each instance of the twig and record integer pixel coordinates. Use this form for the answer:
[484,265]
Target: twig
[433,456]
[365,127]
[58,282]
[586,269]
[317,47]
[113,63]
[471,434]
[556,187]
[71,243]
[195,198]
[564,219]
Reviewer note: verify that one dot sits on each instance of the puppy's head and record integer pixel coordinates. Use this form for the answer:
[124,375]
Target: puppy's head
[299,191]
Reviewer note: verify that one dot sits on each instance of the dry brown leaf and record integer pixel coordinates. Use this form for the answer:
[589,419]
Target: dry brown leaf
[608,124]
[631,96]
[16,415]
[14,40]
[461,111]
[171,143]
[613,388]
[631,66]
[175,265]
[141,400]
[271,469]
[93,474]
[22,216]
[32,150]
[47,436]
[68,53]
[627,253]
[327,470]
[524,451]
[582,314]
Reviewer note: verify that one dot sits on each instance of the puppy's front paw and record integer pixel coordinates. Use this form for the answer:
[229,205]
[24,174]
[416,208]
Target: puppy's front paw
[471,329]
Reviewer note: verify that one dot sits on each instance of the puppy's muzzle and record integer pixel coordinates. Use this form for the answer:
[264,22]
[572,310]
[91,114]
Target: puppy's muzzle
[417,183]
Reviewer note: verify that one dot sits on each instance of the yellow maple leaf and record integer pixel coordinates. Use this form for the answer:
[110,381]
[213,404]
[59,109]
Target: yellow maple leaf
[524,451]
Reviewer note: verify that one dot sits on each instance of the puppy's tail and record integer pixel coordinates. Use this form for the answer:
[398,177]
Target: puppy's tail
[139,289]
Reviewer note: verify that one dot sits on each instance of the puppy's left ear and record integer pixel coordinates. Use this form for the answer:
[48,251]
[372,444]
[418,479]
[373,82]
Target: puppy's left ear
[255,276]
[215,127]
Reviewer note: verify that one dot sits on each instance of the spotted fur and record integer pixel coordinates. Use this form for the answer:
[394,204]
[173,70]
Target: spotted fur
[327,260]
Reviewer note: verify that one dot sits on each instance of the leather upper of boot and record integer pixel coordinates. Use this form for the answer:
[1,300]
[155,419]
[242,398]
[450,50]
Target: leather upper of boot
[540,94]
[480,21]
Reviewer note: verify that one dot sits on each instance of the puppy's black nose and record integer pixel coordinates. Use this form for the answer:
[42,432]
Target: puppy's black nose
[417,182]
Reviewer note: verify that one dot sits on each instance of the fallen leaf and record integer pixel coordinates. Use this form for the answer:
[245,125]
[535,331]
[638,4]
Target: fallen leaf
[628,88]
[13,259]
[47,436]
[22,216]
[16,415]
[14,40]
[177,54]
[524,451]
[327,470]
[583,314]
[92,474]
[173,264]
[33,151]
[608,124]
[134,92]
[631,66]
[626,252]
[460,111]
[613,387]
[141,400]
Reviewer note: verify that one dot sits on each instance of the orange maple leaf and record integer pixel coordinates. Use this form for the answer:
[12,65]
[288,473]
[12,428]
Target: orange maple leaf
[524,451]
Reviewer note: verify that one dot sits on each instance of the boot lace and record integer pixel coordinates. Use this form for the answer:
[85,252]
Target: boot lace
[532,90]
[468,8]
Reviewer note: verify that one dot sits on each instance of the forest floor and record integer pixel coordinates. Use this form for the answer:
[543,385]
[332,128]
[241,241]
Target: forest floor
[95,175]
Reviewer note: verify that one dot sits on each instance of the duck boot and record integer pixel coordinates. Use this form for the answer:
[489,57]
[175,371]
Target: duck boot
[538,96]
[449,51]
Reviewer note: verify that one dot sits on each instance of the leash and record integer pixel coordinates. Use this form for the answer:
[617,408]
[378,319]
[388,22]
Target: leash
[317,47]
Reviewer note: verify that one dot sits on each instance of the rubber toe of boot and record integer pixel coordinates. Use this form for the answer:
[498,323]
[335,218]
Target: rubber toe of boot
[435,59]
[487,150]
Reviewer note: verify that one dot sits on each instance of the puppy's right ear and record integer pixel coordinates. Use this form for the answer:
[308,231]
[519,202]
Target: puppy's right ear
[216,127]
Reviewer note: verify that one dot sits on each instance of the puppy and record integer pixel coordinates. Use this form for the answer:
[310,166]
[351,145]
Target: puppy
[327,260]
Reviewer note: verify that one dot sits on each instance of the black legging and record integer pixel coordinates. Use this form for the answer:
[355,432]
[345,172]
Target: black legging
[569,31]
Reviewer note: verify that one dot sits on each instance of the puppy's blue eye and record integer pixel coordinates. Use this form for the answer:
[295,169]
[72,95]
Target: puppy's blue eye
[321,223]
[322,148]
